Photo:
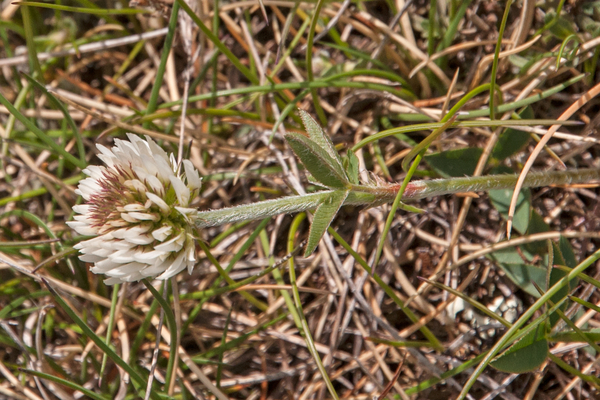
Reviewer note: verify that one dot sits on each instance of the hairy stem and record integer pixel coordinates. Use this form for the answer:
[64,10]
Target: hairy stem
[375,195]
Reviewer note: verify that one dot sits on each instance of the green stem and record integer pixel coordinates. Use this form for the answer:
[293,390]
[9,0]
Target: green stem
[375,195]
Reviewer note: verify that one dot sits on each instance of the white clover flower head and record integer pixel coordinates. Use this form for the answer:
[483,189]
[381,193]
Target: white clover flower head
[137,206]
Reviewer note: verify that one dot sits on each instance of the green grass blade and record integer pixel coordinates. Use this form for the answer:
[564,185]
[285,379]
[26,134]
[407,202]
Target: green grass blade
[496,59]
[110,326]
[457,124]
[253,300]
[34,63]
[387,289]
[40,134]
[160,72]
[219,44]
[471,301]
[65,112]
[302,325]
[139,381]
[172,328]
[309,54]
[84,10]
[64,382]
[38,192]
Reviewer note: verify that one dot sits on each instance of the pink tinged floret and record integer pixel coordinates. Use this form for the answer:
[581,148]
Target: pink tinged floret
[127,218]
[87,188]
[117,224]
[135,185]
[134,207]
[155,184]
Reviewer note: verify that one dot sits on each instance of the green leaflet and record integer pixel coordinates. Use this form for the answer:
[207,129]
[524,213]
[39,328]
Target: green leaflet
[525,355]
[454,163]
[318,161]
[317,135]
[351,167]
[324,214]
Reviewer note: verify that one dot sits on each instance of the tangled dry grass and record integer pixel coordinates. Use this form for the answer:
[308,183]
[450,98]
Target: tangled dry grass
[371,67]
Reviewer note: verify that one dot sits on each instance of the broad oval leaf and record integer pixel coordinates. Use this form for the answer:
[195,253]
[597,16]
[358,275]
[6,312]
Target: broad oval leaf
[317,161]
[526,355]
[515,264]
[455,163]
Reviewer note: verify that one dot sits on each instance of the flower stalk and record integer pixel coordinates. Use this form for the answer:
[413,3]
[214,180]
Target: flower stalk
[365,195]
[137,205]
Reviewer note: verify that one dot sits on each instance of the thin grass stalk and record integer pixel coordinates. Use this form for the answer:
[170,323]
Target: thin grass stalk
[392,214]
[136,378]
[309,54]
[496,60]
[387,289]
[217,42]
[110,327]
[160,72]
[251,299]
[302,325]
[168,313]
